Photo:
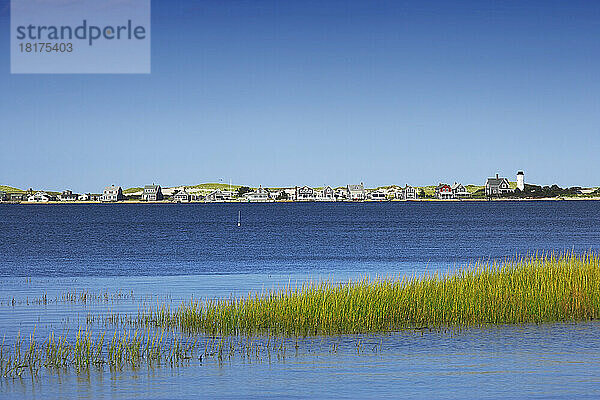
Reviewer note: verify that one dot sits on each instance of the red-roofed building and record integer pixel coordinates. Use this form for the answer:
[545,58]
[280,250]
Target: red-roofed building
[444,192]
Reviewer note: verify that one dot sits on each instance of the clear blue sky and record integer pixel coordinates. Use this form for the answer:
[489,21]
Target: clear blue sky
[315,92]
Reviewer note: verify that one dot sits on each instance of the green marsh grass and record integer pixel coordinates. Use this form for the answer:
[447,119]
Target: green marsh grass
[75,296]
[125,349]
[132,349]
[536,289]
[533,289]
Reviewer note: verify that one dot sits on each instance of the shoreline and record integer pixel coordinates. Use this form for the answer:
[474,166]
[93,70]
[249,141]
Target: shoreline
[304,202]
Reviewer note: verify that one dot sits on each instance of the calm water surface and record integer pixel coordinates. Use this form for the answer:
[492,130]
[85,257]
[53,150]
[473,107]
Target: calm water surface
[135,255]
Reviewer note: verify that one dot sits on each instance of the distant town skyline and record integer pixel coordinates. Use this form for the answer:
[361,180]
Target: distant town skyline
[321,93]
[519,180]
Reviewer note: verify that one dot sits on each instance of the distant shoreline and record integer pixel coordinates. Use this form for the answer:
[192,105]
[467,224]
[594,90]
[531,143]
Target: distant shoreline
[305,202]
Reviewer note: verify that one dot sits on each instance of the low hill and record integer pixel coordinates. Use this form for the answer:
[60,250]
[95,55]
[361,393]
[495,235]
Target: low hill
[214,186]
[473,188]
[4,188]
[167,190]
[133,190]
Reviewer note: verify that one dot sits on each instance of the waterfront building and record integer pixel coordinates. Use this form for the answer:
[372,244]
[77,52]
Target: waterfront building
[325,194]
[341,194]
[40,197]
[356,192]
[521,181]
[459,191]
[280,194]
[217,196]
[67,195]
[260,195]
[444,192]
[398,193]
[284,194]
[304,193]
[290,193]
[410,193]
[17,196]
[152,193]
[112,193]
[497,186]
[4,196]
[377,195]
[84,197]
[181,196]
[393,192]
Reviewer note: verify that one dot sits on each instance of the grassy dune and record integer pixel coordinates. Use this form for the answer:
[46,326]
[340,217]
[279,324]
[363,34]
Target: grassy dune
[133,190]
[525,290]
[214,186]
[5,188]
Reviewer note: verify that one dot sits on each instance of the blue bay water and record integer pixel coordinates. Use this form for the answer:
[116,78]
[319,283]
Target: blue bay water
[138,254]
[372,238]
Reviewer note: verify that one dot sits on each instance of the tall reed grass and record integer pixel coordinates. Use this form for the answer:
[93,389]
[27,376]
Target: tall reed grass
[132,349]
[532,289]
[124,349]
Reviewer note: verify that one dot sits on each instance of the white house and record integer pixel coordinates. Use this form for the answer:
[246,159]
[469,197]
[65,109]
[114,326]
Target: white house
[280,194]
[112,193]
[217,196]
[304,193]
[459,191]
[260,195]
[341,194]
[325,194]
[356,192]
[87,197]
[377,195]
[291,192]
[283,194]
[393,192]
[181,196]
[40,197]
[67,195]
[152,193]
[409,193]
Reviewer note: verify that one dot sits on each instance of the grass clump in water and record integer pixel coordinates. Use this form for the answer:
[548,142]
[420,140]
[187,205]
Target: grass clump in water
[533,289]
[131,350]
[125,349]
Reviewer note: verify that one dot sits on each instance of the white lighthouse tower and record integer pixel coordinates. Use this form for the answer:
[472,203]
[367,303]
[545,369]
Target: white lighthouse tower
[521,180]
